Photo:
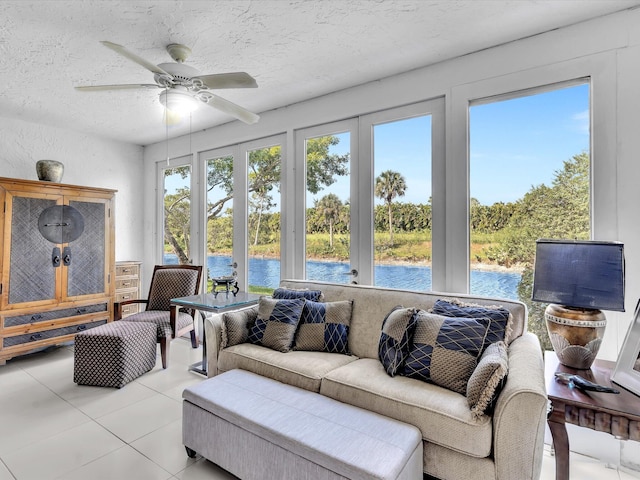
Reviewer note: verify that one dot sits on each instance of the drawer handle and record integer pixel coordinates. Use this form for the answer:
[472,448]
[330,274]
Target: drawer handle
[36,317]
[36,336]
[127,284]
[81,310]
[126,297]
[125,270]
[81,327]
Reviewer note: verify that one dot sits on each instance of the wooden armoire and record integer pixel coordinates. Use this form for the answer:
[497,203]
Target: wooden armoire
[56,264]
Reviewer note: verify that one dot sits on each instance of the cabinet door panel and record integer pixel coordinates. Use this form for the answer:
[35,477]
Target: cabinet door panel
[86,269]
[32,275]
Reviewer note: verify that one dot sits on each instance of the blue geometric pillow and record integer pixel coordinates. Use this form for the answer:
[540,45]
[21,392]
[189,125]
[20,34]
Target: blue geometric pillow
[324,327]
[499,328]
[395,338]
[445,351]
[290,293]
[276,323]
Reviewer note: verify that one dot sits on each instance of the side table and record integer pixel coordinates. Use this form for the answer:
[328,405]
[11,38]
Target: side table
[616,414]
[208,302]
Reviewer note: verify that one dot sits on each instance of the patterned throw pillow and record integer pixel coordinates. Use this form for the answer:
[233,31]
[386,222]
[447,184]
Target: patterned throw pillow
[235,326]
[276,323]
[395,338]
[292,293]
[324,327]
[488,379]
[445,351]
[500,327]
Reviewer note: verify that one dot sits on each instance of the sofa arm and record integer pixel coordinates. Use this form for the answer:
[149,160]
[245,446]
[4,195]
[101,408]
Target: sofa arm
[520,413]
[213,336]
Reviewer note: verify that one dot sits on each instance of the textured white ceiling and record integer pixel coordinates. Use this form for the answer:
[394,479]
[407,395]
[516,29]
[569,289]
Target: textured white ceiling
[295,49]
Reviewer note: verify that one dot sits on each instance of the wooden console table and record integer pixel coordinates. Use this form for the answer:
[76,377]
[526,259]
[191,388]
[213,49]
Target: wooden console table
[618,415]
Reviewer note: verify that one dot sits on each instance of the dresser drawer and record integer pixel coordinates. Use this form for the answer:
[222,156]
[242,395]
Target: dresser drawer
[127,295]
[49,315]
[124,283]
[30,337]
[128,270]
[130,309]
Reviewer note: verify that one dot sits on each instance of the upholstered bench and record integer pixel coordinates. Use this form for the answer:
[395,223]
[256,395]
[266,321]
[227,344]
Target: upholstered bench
[258,428]
[114,354]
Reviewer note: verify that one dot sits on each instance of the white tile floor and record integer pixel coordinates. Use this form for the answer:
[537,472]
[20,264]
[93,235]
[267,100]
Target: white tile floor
[52,428]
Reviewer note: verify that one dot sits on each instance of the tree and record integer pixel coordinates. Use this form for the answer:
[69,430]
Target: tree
[389,185]
[559,211]
[264,167]
[177,215]
[322,168]
[330,208]
[264,175]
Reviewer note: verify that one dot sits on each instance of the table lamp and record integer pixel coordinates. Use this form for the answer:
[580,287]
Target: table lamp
[578,279]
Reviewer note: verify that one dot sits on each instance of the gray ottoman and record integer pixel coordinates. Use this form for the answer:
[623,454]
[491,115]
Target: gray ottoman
[258,428]
[114,354]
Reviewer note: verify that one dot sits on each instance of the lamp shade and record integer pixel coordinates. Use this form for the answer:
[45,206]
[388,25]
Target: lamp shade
[178,101]
[580,274]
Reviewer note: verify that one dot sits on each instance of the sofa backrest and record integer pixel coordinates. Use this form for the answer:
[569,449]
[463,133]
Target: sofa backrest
[371,305]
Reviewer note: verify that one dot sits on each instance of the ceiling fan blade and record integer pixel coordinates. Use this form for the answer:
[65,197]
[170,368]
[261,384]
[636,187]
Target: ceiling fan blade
[133,86]
[134,58]
[228,80]
[232,109]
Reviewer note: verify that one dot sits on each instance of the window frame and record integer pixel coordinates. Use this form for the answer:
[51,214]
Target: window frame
[600,69]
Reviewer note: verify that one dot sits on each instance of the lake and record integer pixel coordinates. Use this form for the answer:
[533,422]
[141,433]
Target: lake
[266,272]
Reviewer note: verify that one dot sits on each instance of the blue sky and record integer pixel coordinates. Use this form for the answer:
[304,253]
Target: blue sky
[518,143]
[514,144]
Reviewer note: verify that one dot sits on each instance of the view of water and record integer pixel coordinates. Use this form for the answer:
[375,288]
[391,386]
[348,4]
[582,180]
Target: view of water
[266,272]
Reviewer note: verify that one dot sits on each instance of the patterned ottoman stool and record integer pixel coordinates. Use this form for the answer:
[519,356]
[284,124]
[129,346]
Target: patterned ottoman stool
[114,354]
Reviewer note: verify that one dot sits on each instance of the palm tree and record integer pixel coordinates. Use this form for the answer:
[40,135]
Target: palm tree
[329,208]
[389,185]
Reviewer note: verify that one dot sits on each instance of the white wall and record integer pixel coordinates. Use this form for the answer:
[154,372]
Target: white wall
[88,161]
[606,49]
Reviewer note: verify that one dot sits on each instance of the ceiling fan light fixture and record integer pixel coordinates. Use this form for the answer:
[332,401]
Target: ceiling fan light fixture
[178,101]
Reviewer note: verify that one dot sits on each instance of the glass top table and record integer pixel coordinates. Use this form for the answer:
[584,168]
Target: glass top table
[208,302]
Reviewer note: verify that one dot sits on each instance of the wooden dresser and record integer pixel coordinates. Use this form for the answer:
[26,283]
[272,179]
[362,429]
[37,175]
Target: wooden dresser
[129,286]
[56,263]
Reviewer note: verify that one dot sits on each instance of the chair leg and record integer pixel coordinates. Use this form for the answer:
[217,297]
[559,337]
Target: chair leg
[164,351]
[194,339]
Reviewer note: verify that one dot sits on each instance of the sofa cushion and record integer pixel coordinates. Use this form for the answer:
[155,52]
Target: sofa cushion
[293,293]
[276,323]
[501,320]
[235,326]
[446,350]
[324,327]
[370,304]
[487,379]
[442,416]
[298,368]
[395,338]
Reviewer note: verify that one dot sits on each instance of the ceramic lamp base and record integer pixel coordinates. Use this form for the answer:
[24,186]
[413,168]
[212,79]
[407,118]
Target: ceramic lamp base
[575,333]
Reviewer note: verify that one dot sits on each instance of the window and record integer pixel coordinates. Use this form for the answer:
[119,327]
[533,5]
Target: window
[325,184]
[219,215]
[176,216]
[402,211]
[529,179]
[242,214]
[263,215]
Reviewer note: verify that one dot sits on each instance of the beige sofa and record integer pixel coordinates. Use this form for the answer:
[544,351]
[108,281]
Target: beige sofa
[507,445]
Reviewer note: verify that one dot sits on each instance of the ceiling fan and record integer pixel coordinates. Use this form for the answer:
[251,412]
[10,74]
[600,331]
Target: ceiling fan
[183,87]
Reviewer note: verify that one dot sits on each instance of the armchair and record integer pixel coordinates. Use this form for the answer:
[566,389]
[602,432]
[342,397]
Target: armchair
[167,282]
